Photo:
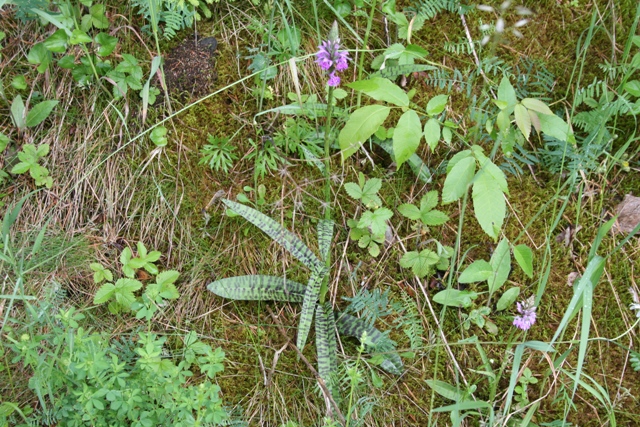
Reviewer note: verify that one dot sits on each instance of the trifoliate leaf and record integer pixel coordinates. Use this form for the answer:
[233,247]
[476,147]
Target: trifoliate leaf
[420,262]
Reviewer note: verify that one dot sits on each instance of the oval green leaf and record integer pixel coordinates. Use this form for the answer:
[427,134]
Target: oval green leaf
[363,123]
[406,137]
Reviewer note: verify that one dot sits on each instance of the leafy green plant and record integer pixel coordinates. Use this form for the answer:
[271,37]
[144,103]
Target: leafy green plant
[218,154]
[371,229]
[173,15]
[364,122]
[262,288]
[29,162]
[39,113]
[489,187]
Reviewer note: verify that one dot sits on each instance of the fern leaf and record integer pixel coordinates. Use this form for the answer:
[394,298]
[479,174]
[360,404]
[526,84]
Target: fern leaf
[354,327]
[258,288]
[326,345]
[309,305]
[279,234]
[325,235]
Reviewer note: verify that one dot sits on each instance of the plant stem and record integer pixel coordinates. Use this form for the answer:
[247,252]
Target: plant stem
[327,154]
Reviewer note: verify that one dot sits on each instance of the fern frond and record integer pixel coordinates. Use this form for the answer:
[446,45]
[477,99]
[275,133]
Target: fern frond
[635,361]
[279,234]
[411,322]
[309,304]
[401,70]
[258,288]
[430,8]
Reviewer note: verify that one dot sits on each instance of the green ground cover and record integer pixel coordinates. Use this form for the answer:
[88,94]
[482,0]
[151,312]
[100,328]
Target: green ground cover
[220,233]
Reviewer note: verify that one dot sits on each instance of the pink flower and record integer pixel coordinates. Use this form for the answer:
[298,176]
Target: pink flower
[331,59]
[527,316]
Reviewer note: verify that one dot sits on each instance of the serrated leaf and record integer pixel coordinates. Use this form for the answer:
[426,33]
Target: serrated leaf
[523,120]
[455,298]
[279,234]
[458,180]
[435,217]
[420,263]
[370,193]
[536,105]
[40,112]
[410,211]
[489,205]
[353,190]
[376,220]
[309,305]
[167,277]
[258,288]
[382,89]
[501,266]
[524,257]
[437,104]
[478,271]
[362,123]
[21,167]
[104,294]
[432,133]
[508,298]
[407,136]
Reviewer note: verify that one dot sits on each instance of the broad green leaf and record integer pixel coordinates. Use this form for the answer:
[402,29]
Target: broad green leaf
[159,136]
[166,277]
[362,123]
[432,133]
[446,390]
[478,271]
[19,168]
[420,263]
[57,42]
[40,112]
[279,234]
[537,106]
[429,201]
[523,120]
[325,236]
[78,37]
[464,406]
[457,157]
[107,44]
[39,55]
[258,288]
[104,294]
[487,166]
[554,126]
[68,62]
[458,180]
[309,305]
[447,135]
[504,121]
[437,104]
[17,112]
[501,265]
[98,18]
[382,89]
[506,92]
[508,298]
[455,298]
[488,203]
[354,327]
[524,257]
[406,137]
[4,141]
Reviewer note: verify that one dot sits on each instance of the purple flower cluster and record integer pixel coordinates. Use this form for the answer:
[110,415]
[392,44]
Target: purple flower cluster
[331,59]
[527,316]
